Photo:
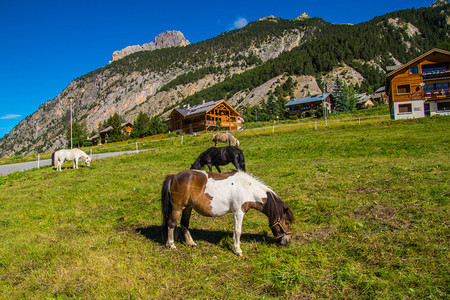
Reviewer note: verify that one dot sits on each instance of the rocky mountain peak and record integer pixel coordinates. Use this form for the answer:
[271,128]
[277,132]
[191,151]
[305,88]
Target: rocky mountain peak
[439,3]
[302,17]
[269,18]
[163,40]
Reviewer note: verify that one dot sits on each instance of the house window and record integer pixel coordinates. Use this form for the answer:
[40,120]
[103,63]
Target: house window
[404,89]
[404,108]
[433,68]
[414,70]
[443,106]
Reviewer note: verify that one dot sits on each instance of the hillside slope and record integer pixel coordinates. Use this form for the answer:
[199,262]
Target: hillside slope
[240,66]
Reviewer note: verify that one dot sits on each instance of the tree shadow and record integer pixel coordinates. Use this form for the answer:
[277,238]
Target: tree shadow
[154,233]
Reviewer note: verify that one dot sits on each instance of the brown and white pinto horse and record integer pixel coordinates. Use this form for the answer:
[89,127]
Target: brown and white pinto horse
[215,194]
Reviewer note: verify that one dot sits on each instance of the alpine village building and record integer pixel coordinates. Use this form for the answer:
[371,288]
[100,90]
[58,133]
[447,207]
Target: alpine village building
[206,116]
[421,87]
[306,105]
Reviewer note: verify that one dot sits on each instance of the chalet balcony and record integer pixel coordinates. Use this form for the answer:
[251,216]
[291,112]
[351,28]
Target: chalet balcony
[210,123]
[436,74]
[436,95]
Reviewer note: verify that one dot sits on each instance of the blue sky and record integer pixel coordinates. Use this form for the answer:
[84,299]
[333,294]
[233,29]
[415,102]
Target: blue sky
[46,44]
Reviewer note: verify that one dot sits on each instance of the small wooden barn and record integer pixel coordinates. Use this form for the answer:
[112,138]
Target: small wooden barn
[206,116]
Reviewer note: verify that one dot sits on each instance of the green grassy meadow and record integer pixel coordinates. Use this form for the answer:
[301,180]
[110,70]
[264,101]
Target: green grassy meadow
[371,203]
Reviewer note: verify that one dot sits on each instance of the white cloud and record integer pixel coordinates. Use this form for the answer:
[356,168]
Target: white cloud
[9,117]
[240,22]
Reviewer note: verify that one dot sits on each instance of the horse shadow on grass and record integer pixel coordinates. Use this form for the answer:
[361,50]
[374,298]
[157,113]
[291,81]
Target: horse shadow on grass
[154,233]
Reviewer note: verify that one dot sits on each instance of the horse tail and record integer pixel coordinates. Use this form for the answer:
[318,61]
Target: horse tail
[53,159]
[166,204]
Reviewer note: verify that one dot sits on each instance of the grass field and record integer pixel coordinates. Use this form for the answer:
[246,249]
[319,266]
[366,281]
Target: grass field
[371,203]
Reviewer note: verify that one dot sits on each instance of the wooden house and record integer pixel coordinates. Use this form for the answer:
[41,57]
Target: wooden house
[205,116]
[364,101]
[126,128]
[380,96]
[306,105]
[101,138]
[421,87]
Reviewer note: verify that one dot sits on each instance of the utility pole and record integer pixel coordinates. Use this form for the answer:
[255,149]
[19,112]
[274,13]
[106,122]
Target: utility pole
[71,143]
[325,109]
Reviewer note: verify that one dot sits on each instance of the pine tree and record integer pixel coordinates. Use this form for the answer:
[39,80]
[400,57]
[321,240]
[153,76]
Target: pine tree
[350,98]
[116,133]
[338,93]
[79,134]
[140,125]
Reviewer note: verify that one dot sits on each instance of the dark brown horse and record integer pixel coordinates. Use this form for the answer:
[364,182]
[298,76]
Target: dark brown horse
[216,157]
[213,195]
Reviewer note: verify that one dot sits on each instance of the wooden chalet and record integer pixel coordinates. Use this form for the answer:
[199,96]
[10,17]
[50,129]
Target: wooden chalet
[126,128]
[421,87]
[205,116]
[364,101]
[306,105]
[101,138]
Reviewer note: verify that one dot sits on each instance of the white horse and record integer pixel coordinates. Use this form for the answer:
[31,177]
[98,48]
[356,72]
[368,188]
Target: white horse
[60,156]
[225,138]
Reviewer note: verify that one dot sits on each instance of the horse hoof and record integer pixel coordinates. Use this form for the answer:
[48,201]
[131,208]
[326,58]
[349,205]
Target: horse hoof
[194,246]
[238,253]
[172,246]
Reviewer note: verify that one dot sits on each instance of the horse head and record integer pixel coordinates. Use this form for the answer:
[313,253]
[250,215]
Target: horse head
[280,216]
[87,160]
[196,165]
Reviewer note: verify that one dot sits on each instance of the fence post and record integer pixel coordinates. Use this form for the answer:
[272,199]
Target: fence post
[137,150]
[91,152]
[182,136]
[38,161]
[315,125]
[359,121]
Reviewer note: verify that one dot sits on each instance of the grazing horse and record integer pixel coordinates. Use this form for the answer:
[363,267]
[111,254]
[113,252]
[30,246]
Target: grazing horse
[225,138]
[60,156]
[219,157]
[213,195]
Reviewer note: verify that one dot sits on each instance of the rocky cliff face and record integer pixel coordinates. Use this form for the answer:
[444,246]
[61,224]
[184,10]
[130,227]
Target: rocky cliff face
[163,40]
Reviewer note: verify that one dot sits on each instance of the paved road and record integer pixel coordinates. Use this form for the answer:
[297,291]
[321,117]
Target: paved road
[6,169]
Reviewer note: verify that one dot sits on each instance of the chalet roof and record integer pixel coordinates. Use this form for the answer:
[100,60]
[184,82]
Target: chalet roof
[393,68]
[380,90]
[93,137]
[363,98]
[309,99]
[107,129]
[200,108]
[417,59]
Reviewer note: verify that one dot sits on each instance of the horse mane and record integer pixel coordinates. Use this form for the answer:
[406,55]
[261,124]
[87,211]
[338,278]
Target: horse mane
[275,207]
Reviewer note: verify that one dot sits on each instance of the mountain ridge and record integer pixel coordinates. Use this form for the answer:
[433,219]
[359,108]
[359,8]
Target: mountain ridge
[165,39]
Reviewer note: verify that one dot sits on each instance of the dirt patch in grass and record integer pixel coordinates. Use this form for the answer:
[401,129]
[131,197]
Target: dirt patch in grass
[364,189]
[380,214]
[319,234]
